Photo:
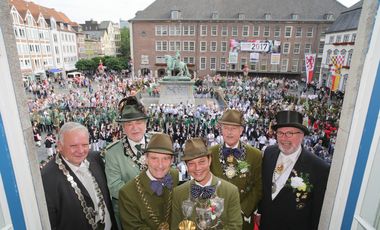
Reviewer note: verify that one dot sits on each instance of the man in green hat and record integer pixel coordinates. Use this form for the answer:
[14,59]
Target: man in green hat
[206,201]
[145,202]
[238,163]
[124,158]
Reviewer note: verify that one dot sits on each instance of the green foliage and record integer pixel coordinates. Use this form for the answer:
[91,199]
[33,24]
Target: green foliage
[86,65]
[113,63]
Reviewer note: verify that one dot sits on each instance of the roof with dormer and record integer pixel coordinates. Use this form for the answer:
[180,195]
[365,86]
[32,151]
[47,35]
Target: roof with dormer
[251,9]
[347,20]
[35,9]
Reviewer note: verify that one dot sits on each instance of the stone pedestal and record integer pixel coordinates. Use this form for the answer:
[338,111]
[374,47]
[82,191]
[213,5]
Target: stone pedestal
[175,92]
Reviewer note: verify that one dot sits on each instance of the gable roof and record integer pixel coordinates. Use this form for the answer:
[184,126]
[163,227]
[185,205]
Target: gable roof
[35,9]
[347,20]
[252,9]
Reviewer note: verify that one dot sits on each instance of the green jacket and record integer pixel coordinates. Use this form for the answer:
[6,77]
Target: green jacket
[231,216]
[250,187]
[133,210]
[119,170]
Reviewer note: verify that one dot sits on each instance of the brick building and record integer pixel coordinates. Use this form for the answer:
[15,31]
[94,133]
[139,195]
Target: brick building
[203,31]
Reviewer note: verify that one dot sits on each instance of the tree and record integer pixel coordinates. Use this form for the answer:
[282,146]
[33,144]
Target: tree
[86,65]
[113,63]
[125,47]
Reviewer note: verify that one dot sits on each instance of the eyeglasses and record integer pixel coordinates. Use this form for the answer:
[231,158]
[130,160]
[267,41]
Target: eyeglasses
[287,134]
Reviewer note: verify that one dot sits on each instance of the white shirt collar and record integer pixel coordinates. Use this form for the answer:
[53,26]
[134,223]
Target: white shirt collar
[132,143]
[84,165]
[207,184]
[294,156]
[151,177]
[233,147]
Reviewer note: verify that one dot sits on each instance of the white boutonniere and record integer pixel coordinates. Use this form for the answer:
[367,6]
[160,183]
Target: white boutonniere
[301,187]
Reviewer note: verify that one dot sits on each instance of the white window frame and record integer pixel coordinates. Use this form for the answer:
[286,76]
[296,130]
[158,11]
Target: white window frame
[284,65]
[245,31]
[202,63]
[203,30]
[214,30]
[213,46]
[288,31]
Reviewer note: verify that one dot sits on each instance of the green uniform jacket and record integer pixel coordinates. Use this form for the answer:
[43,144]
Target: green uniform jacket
[231,217]
[133,211]
[250,187]
[119,170]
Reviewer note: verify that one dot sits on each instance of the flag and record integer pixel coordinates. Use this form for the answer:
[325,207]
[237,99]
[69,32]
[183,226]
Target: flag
[309,64]
[337,62]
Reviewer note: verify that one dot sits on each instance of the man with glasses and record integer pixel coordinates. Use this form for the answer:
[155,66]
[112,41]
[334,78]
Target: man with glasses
[294,179]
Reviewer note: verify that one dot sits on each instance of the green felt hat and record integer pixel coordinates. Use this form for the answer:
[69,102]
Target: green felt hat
[131,109]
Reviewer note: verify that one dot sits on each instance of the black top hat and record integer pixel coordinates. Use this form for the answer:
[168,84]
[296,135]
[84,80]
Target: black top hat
[131,109]
[290,119]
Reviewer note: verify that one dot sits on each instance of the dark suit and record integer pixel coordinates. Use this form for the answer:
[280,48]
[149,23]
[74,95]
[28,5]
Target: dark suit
[65,210]
[284,212]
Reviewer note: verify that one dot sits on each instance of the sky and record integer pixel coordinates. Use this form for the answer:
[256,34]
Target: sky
[109,10]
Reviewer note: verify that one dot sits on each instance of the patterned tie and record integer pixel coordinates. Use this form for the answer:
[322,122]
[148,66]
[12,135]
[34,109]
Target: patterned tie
[202,192]
[228,151]
[139,149]
[157,186]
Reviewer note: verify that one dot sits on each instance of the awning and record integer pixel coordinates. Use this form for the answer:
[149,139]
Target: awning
[54,70]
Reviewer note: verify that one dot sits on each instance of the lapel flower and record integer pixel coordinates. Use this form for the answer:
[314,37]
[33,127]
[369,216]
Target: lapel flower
[301,187]
[243,166]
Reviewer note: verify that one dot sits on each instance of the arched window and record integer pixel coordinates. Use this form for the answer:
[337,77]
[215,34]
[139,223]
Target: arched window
[349,57]
[343,53]
[328,57]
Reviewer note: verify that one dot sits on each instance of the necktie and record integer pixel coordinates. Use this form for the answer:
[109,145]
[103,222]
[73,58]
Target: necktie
[139,149]
[202,192]
[158,185]
[229,151]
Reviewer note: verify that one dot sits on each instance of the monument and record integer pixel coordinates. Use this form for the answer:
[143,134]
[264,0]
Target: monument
[176,88]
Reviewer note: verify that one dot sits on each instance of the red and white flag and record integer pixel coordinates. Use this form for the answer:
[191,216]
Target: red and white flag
[309,63]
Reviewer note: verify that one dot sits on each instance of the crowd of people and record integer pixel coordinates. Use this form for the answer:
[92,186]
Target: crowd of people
[94,104]
[215,165]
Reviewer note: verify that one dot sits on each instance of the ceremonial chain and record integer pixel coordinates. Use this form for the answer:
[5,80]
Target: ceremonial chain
[89,212]
[139,161]
[163,225]
[231,169]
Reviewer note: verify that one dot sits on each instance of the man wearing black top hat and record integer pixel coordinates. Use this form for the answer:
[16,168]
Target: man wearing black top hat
[294,179]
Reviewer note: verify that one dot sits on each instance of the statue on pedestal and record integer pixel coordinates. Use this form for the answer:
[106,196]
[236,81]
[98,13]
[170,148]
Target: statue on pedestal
[174,63]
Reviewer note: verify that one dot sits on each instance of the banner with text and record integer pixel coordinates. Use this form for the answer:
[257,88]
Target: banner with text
[259,46]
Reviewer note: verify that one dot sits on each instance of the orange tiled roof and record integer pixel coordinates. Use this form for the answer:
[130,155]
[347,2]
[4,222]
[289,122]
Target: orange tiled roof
[35,9]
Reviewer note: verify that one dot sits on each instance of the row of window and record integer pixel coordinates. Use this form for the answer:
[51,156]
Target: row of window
[262,64]
[26,63]
[189,30]
[346,56]
[213,46]
[338,38]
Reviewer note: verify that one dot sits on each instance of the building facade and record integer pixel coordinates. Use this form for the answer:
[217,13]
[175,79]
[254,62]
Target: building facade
[340,41]
[106,33]
[46,40]
[205,31]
